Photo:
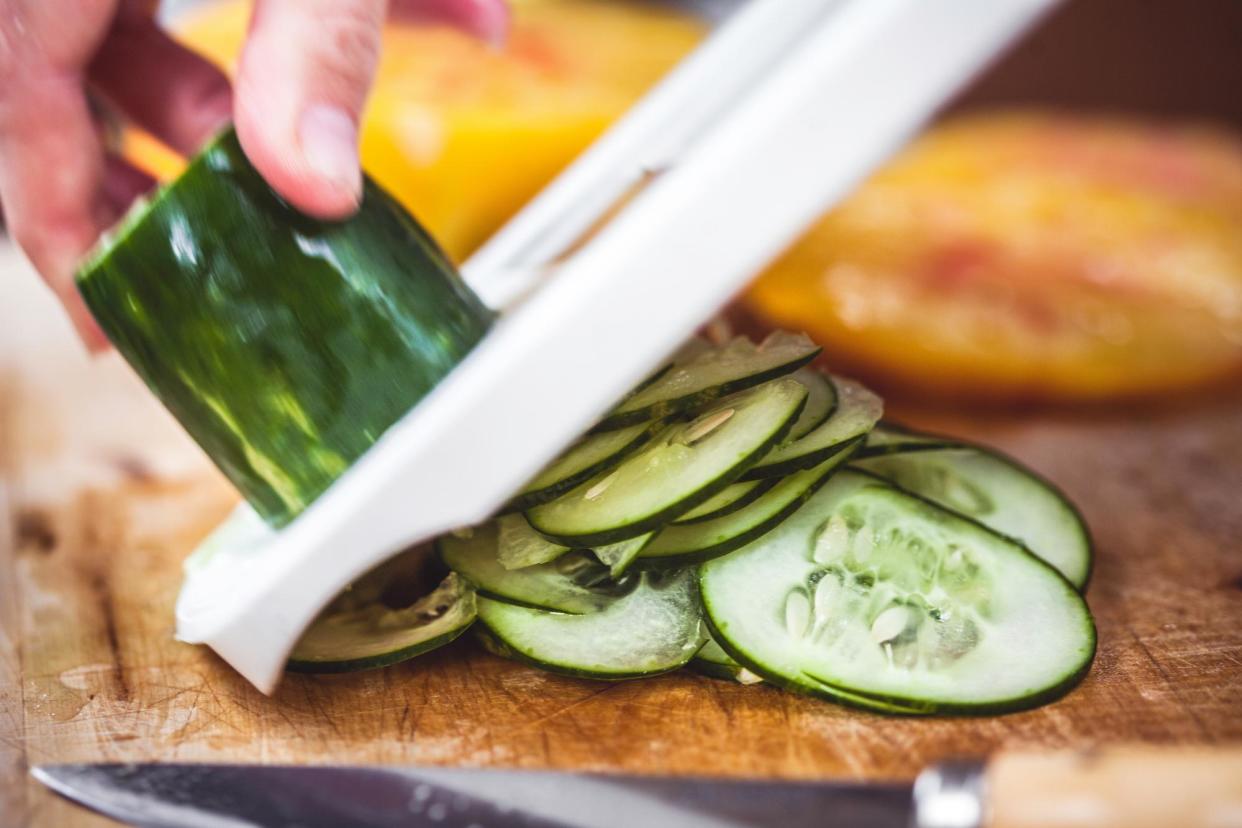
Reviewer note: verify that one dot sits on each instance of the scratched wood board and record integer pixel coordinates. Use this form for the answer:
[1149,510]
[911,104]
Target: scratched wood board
[102,497]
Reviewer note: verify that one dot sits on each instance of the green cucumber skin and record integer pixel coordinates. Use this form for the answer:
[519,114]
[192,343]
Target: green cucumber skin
[284,345]
[375,662]
[742,502]
[667,408]
[797,464]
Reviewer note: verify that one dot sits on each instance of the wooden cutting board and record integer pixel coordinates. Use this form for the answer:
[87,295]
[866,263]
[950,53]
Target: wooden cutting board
[102,497]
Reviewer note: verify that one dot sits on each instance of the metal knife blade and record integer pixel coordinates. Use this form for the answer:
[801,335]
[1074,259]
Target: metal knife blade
[242,796]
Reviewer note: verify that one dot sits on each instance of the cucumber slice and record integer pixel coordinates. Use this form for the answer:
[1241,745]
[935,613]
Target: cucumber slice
[871,595]
[857,412]
[821,401]
[712,660]
[699,376]
[728,500]
[618,556]
[1001,494]
[588,457]
[519,546]
[687,544]
[360,631]
[654,629]
[890,438]
[574,583]
[680,468]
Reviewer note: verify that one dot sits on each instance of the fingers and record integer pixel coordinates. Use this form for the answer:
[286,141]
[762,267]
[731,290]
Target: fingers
[165,88]
[303,81]
[487,20]
[51,171]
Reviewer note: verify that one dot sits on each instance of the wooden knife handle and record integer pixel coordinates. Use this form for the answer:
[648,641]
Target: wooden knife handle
[1125,787]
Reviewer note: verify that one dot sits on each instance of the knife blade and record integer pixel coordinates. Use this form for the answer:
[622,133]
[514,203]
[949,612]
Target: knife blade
[241,796]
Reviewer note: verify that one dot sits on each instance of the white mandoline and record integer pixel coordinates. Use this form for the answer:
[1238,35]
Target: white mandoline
[776,117]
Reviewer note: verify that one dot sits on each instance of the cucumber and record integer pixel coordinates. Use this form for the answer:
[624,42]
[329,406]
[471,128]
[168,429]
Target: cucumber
[1001,494]
[870,595]
[856,413]
[728,500]
[700,376]
[686,544]
[360,631]
[519,546]
[890,438]
[618,556]
[712,660]
[653,629]
[585,459]
[680,468]
[574,583]
[821,402]
[284,345]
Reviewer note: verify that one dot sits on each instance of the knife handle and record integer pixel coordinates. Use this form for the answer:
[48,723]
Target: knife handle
[1124,786]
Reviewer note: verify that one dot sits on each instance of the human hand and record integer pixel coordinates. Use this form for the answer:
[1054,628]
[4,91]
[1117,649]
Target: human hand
[301,86]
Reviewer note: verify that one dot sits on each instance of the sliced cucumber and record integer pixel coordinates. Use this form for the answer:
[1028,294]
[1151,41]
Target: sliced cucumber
[856,413]
[821,401]
[618,556]
[1001,494]
[360,631]
[686,544]
[890,438]
[518,545]
[680,468]
[868,594]
[712,660]
[700,376]
[588,457]
[654,629]
[574,583]
[728,500]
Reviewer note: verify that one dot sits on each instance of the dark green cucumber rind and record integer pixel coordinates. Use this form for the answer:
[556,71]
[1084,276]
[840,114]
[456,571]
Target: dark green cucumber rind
[529,500]
[495,645]
[666,515]
[920,442]
[683,560]
[802,429]
[666,408]
[1084,530]
[743,501]
[375,662]
[286,346]
[798,464]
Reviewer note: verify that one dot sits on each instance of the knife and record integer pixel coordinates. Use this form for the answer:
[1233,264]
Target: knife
[1134,787]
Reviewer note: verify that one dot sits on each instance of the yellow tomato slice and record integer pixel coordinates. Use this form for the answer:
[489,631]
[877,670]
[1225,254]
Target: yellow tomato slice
[1030,256]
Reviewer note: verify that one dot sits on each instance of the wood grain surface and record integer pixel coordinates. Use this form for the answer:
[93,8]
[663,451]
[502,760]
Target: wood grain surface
[102,497]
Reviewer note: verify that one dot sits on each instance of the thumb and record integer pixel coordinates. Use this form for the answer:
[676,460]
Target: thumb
[301,87]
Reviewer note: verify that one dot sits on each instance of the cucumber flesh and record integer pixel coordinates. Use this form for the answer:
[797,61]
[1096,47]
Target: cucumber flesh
[359,631]
[889,438]
[999,493]
[728,500]
[701,376]
[588,457]
[821,401]
[685,544]
[712,660]
[680,468]
[618,556]
[871,593]
[856,414]
[574,583]
[519,546]
[653,629]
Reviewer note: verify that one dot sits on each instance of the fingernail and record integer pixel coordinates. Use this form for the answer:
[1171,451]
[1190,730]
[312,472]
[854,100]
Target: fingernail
[329,140]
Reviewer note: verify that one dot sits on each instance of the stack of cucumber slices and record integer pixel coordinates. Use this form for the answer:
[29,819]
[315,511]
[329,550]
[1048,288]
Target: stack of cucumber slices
[749,516]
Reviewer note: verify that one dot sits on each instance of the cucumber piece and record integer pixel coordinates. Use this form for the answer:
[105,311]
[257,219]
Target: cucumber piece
[821,401]
[687,544]
[700,376]
[680,468]
[360,631]
[654,629]
[1000,493]
[284,345]
[856,413]
[712,660]
[890,438]
[519,546]
[588,457]
[618,556]
[871,595]
[574,583]
[728,500]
